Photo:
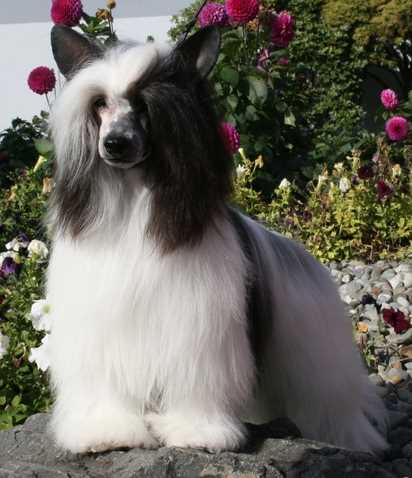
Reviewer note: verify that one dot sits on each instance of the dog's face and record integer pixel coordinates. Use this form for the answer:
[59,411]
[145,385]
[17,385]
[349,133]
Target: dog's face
[116,84]
[135,116]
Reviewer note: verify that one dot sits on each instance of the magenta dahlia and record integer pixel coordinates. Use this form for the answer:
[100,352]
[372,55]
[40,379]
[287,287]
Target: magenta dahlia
[383,189]
[66,12]
[213,14]
[389,99]
[230,137]
[283,61]
[396,319]
[41,80]
[283,29]
[397,128]
[242,11]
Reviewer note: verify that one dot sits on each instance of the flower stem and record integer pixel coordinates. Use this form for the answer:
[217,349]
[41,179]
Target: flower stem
[48,102]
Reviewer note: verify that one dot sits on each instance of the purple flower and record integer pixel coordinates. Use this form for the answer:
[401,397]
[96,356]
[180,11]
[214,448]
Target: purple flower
[397,128]
[8,267]
[383,189]
[242,11]
[283,29]
[213,14]
[365,172]
[389,99]
[230,137]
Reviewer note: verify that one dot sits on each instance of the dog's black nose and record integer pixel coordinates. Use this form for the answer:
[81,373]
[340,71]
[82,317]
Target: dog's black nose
[116,145]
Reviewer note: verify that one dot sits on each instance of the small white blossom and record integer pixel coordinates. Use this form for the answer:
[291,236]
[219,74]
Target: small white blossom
[38,248]
[40,315]
[4,345]
[41,355]
[396,171]
[16,244]
[338,168]
[344,185]
[284,184]
[240,170]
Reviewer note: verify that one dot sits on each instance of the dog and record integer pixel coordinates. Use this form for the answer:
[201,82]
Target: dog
[176,318]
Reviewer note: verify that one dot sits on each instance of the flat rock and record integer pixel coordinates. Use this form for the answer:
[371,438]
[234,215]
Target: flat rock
[27,451]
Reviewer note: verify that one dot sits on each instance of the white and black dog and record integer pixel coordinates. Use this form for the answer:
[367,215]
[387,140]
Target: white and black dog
[175,318]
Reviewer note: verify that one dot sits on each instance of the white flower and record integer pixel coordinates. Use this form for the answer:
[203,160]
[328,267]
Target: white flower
[41,355]
[344,185]
[17,243]
[4,345]
[284,184]
[40,315]
[338,168]
[240,170]
[396,171]
[38,248]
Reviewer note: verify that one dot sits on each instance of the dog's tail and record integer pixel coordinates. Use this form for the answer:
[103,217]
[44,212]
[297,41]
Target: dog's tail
[304,345]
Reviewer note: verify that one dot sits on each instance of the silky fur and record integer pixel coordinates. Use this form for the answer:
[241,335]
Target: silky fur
[153,344]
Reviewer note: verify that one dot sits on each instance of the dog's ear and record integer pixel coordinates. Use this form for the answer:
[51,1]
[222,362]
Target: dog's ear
[71,49]
[202,49]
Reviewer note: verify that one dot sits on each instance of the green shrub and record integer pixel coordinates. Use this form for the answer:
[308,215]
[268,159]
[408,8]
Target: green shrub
[23,387]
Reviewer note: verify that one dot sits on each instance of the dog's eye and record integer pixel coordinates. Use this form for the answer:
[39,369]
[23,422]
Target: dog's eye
[99,102]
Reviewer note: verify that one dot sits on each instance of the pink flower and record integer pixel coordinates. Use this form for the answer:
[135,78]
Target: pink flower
[213,14]
[263,59]
[230,137]
[41,80]
[66,12]
[397,128]
[283,61]
[242,11]
[283,29]
[383,189]
[389,99]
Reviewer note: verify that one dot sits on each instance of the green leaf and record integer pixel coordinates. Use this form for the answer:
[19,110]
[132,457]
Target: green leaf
[232,101]
[230,75]
[258,91]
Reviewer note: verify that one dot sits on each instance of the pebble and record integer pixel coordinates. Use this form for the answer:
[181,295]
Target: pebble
[401,436]
[368,289]
[407,450]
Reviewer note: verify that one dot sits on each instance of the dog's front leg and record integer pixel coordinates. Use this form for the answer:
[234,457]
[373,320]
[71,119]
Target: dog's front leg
[92,419]
[205,392]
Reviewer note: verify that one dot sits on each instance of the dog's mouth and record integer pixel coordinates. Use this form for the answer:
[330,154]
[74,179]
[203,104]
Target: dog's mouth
[126,162]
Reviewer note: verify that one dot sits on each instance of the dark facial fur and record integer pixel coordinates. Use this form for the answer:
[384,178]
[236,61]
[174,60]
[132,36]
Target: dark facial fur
[187,167]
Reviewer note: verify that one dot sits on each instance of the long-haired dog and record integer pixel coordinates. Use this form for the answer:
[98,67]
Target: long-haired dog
[176,318]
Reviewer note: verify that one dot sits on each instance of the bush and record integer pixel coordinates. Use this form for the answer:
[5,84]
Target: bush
[319,91]
[23,386]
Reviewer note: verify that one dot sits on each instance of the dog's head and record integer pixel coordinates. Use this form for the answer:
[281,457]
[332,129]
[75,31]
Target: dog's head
[144,107]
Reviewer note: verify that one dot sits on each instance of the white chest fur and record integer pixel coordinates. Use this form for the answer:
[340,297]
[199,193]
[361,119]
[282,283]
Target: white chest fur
[152,328]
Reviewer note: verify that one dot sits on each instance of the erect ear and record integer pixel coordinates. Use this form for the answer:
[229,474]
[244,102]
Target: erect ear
[202,49]
[71,49]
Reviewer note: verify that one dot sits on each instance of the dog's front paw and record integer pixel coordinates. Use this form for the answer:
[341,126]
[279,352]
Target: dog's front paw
[208,433]
[101,432]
